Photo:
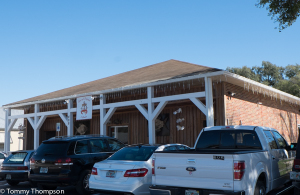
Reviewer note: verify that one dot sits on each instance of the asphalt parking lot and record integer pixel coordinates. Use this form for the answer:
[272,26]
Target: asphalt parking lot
[27,189]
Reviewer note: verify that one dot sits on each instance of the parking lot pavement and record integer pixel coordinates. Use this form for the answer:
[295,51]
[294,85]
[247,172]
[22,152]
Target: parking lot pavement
[27,189]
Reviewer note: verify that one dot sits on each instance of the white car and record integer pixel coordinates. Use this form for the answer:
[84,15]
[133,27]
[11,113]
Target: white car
[129,170]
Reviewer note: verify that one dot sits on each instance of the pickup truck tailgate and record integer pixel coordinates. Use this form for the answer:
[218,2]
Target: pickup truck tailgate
[209,171]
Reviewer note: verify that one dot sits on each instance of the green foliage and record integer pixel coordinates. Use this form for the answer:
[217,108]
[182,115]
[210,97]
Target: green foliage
[286,79]
[285,12]
[245,72]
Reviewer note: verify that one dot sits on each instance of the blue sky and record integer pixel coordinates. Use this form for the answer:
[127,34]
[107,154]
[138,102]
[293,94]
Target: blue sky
[50,45]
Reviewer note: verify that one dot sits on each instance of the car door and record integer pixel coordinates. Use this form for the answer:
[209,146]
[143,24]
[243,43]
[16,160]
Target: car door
[287,158]
[275,159]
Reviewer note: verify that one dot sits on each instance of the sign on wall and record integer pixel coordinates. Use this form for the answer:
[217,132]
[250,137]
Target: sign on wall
[84,108]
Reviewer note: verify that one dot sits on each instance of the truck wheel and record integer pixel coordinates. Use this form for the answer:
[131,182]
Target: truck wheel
[82,186]
[260,188]
[12,183]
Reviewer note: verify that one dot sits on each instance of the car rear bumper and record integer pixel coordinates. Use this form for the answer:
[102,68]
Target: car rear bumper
[136,186]
[16,176]
[61,179]
[169,190]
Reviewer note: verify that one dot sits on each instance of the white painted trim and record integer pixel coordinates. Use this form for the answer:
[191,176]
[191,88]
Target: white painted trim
[70,118]
[143,110]
[31,122]
[209,102]
[200,105]
[179,97]
[126,103]
[12,123]
[158,110]
[40,122]
[109,114]
[6,131]
[64,119]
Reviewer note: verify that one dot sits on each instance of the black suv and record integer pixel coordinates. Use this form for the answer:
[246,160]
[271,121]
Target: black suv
[63,161]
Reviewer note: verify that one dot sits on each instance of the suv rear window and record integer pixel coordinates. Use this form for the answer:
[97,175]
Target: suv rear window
[52,148]
[133,153]
[228,139]
[16,158]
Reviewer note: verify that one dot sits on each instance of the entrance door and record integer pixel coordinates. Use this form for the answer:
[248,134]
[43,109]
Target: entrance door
[119,132]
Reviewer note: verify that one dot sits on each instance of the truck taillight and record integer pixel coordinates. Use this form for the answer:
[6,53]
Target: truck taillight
[153,166]
[66,161]
[136,172]
[94,171]
[239,169]
[297,163]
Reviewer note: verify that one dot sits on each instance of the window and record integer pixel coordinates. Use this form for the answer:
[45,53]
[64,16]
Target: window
[280,140]
[134,153]
[170,148]
[52,148]
[115,145]
[228,139]
[82,147]
[2,156]
[98,145]
[271,140]
[16,157]
[183,148]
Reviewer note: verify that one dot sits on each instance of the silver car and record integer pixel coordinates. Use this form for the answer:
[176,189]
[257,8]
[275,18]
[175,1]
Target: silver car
[128,171]
[15,168]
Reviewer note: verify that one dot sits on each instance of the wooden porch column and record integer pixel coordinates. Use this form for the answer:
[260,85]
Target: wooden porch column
[102,115]
[70,117]
[209,102]
[151,121]
[9,123]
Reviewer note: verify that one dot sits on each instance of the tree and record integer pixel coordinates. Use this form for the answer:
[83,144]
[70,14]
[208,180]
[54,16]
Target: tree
[269,73]
[285,79]
[283,11]
[245,72]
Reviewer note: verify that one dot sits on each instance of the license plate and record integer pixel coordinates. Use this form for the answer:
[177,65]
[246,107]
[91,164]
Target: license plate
[111,174]
[44,170]
[8,176]
[191,192]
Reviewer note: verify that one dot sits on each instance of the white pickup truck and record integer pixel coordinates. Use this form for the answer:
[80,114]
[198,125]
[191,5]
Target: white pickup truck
[233,160]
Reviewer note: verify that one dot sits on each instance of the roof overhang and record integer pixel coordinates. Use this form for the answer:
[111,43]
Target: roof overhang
[226,76]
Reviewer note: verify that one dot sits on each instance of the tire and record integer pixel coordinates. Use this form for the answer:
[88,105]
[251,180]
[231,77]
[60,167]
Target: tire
[82,186]
[12,183]
[260,188]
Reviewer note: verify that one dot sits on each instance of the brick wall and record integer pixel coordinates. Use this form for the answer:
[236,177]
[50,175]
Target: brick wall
[243,108]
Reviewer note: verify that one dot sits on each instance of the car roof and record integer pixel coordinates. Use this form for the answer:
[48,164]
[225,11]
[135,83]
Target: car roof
[76,137]
[236,127]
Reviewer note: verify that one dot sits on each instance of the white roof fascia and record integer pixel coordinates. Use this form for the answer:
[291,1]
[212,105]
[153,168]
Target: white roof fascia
[244,79]
[129,87]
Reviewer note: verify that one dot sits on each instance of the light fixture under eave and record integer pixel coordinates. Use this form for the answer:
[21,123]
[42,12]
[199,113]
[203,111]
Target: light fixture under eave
[259,103]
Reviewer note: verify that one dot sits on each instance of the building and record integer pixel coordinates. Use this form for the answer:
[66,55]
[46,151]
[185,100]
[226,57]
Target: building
[168,102]
[15,142]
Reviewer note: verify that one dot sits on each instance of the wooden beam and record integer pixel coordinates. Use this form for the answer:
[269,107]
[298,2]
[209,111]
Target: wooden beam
[200,105]
[143,110]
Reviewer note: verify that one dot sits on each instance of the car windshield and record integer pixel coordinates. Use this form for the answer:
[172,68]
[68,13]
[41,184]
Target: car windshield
[16,158]
[52,148]
[137,153]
